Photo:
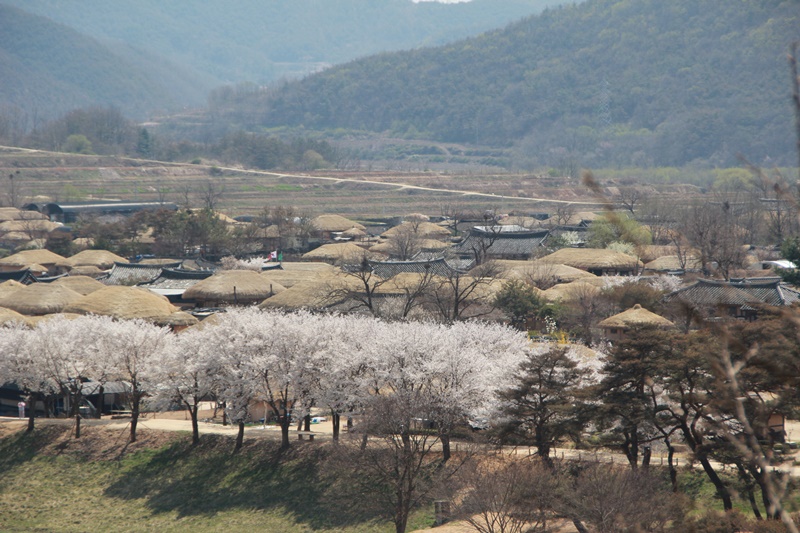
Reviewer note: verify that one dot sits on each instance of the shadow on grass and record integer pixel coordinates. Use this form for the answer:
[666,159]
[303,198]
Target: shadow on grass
[22,447]
[208,479]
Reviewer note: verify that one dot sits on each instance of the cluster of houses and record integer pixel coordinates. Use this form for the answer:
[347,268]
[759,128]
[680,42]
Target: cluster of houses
[177,292]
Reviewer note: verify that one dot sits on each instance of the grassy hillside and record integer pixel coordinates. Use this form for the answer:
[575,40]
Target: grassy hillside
[47,68]
[53,483]
[258,41]
[610,82]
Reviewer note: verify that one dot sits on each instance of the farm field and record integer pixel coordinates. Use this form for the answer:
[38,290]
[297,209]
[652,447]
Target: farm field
[40,176]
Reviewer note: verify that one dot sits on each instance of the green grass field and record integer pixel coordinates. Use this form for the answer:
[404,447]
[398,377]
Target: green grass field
[50,482]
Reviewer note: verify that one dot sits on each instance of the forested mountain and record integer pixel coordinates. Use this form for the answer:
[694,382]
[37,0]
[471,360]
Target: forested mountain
[47,69]
[613,82]
[264,40]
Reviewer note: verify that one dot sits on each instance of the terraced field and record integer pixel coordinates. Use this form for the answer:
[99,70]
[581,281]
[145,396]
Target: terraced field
[69,177]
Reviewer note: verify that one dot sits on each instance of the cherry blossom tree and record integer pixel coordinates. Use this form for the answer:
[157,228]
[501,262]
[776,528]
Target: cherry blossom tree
[19,365]
[188,374]
[133,348]
[66,351]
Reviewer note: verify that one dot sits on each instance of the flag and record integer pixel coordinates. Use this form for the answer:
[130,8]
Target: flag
[280,256]
[273,255]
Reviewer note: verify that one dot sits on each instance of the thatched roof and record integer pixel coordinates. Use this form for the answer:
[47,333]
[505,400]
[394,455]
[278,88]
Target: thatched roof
[635,316]
[651,252]
[423,229]
[569,292]
[15,237]
[346,252]
[290,278]
[321,293]
[102,259]
[88,271]
[334,223]
[178,318]
[12,213]
[123,302]
[354,233]
[233,286]
[672,262]
[8,316]
[29,226]
[40,299]
[30,257]
[592,259]
[9,287]
[36,320]
[539,271]
[81,284]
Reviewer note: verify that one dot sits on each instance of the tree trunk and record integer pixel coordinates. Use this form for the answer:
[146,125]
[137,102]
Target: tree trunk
[135,414]
[349,423]
[307,422]
[195,427]
[673,472]
[722,490]
[239,437]
[445,438]
[748,488]
[31,411]
[646,455]
[336,420]
[77,425]
[101,402]
[286,421]
[579,526]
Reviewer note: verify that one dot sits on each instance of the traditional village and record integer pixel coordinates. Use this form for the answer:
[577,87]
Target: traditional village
[373,266]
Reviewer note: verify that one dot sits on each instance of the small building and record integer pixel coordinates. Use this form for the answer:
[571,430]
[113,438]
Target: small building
[68,213]
[734,299]
[501,242]
[597,261]
[616,327]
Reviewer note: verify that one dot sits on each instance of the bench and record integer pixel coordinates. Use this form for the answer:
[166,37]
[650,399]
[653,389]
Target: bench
[309,434]
[121,414]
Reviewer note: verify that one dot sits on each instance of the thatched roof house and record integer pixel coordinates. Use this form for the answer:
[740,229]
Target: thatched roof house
[327,225]
[232,287]
[40,299]
[541,274]
[102,259]
[12,213]
[292,273]
[81,284]
[600,262]
[346,252]
[177,321]
[124,303]
[672,263]
[9,316]
[34,228]
[21,260]
[319,294]
[428,230]
[8,287]
[571,292]
[616,326]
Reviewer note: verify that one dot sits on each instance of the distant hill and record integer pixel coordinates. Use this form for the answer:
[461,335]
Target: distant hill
[266,40]
[604,82]
[47,69]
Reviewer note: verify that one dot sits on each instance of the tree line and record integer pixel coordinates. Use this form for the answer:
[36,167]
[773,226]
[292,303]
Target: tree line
[413,387]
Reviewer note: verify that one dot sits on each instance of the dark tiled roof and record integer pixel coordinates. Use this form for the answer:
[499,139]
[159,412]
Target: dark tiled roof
[505,244]
[176,279]
[21,276]
[133,273]
[388,269]
[741,293]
